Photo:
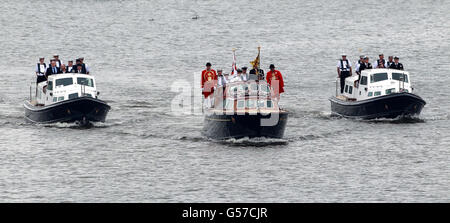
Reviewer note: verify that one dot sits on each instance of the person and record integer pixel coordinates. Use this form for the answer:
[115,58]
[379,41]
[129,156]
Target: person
[259,76]
[52,69]
[238,76]
[390,61]
[80,69]
[63,68]
[381,62]
[75,67]
[69,68]
[275,75]
[396,64]
[208,75]
[358,63]
[244,73]
[41,68]
[85,67]
[344,70]
[58,61]
[365,65]
[221,79]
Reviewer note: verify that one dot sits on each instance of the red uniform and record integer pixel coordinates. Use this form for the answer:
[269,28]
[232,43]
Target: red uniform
[208,81]
[276,75]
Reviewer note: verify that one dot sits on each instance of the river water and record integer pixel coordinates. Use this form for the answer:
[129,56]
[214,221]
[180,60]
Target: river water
[143,53]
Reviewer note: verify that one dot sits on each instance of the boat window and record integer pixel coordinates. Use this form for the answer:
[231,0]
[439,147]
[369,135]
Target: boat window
[61,98]
[350,90]
[229,104]
[378,77]
[85,81]
[251,104]
[241,104]
[261,103]
[363,80]
[377,93]
[74,95]
[54,99]
[264,88]
[63,81]
[370,94]
[399,76]
[346,89]
[50,86]
[390,91]
[269,104]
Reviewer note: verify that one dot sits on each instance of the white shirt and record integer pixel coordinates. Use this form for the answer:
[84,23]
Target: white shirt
[346,67]
[376,64]
[221,80]
[43,68]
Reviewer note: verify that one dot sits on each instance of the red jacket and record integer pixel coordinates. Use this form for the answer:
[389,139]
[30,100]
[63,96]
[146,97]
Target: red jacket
[276,75]
[208,80]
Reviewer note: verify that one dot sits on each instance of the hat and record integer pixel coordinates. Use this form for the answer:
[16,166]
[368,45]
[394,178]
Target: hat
[41,58]
[208,64]
[396,58]
[361,56]
[244,68]
[239,70]
[55,55]
[272,66]
[366,57]
[343,54]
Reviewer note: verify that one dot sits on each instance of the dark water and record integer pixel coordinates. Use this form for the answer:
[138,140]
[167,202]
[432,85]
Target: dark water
[142,51]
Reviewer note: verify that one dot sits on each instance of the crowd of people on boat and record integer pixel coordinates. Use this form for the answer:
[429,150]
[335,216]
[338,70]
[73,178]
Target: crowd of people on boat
[344,66]
[211,78]
[57,67]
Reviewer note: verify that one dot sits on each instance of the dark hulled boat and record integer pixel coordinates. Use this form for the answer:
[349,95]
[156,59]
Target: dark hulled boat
[66,98]
[380,93]
[244,109]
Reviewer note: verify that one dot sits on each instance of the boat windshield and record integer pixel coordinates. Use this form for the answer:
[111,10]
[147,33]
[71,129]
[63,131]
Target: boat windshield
[64,81]
[400,76]
[85,81]
[378,77]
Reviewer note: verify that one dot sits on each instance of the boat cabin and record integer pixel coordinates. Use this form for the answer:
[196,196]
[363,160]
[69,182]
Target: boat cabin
[61,87]
[375,83]
[244,96]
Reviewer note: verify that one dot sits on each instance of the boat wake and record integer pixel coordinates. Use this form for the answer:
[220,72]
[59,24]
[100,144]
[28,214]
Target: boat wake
[253,142]
[398,120]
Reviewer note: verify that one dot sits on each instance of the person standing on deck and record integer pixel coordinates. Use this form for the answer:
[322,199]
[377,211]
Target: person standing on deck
[344,70]
[41,68]
[208,77]
[396,64]
[57,60]
[275,75]
[52,69]
[381,62]
[69,68]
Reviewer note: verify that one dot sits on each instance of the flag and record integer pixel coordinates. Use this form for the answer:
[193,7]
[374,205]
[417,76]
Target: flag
[256,61]
[233,66]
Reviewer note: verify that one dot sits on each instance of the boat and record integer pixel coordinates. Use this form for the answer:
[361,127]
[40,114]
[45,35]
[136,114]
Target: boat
[244,109]
[378,93]
[68,98]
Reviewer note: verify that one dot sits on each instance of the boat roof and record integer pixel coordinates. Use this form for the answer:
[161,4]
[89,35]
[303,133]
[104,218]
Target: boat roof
[383,70]
[57,76]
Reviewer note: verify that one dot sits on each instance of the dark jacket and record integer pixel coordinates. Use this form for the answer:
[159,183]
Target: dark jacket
[399,66]
[50,71]
[261,73]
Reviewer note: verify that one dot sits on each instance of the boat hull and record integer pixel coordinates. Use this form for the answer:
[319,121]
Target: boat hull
[83,110]
[388,106]
[223,126]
